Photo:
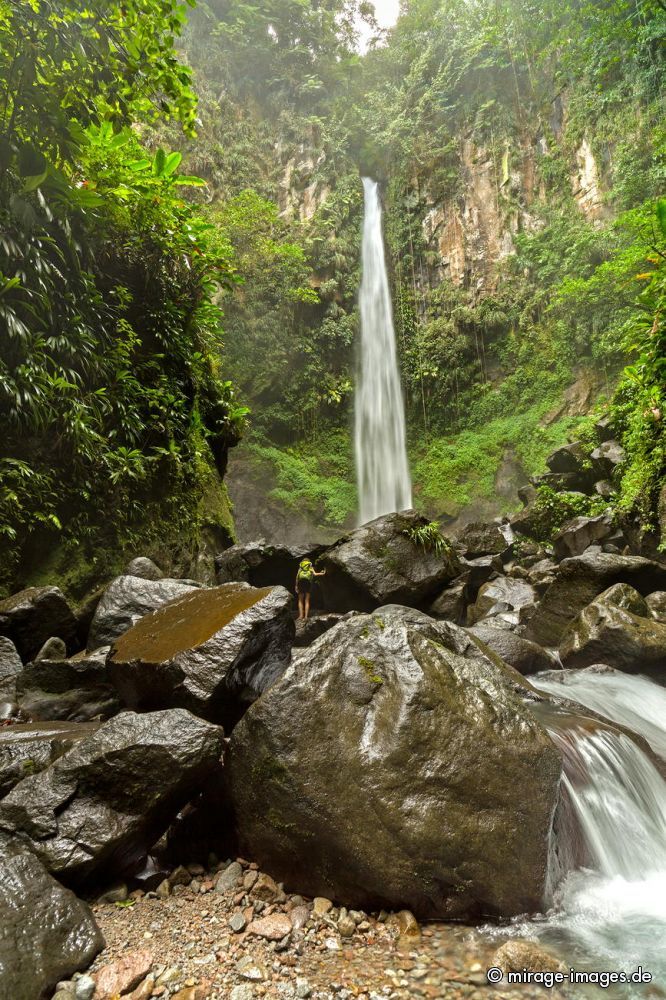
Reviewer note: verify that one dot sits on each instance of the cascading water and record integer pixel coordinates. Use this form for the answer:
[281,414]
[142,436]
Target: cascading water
[382,470]
[608,857]
[632,701]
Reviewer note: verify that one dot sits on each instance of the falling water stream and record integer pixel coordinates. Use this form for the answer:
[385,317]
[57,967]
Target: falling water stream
[382,469]
[608,856]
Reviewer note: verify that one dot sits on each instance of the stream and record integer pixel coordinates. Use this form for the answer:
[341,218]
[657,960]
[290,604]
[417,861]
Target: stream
[607,879]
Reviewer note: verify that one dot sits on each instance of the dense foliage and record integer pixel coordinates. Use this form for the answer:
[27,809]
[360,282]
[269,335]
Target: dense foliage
[119,269]
[111,392]
[520,88]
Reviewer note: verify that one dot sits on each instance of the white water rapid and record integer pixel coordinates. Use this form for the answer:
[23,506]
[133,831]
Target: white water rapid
[382,470]
[608,857]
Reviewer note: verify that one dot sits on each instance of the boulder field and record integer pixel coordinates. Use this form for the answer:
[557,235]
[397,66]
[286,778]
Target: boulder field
[371,755]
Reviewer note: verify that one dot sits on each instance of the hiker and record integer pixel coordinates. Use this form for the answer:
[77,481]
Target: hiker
[304,578]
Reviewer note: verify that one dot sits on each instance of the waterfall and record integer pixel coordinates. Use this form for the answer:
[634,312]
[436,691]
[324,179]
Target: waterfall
[382,470]
[632,701]
[608,857]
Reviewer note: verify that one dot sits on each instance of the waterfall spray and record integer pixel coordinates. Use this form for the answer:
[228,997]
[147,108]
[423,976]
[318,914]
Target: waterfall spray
[382,470]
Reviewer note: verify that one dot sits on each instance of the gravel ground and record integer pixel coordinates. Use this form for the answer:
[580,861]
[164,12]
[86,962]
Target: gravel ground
[231,933]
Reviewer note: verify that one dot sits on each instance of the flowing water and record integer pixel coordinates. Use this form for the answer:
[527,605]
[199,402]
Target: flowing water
[632,701]
[382,469]
[608,855]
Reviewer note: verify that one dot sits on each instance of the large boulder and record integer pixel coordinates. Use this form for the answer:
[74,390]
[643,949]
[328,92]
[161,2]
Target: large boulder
[382,769]
[74,690]
[383,562]
[262,564]
[481,539]
[525,656]
[98,808]
[32,616]
[212,651]
[579,533]
[27,748]
[610,631]
[46,933]
[125,601]
[579,580]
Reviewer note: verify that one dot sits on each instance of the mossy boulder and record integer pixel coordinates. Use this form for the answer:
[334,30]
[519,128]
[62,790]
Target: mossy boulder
[382,770]
[212,651]
[579,580]
[385,562]
[611,630]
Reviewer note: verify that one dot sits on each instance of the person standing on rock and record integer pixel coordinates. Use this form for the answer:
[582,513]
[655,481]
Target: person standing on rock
[304,577]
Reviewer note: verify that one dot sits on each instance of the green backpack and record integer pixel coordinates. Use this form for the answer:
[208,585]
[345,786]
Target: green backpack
[306,570]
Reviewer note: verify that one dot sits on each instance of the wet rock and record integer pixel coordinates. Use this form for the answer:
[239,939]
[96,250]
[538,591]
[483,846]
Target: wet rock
[380,563]
[53,649]
[579,580]
[46,933]
[76,690]
[116,894]
[579,533]
[321,906]
[500,595]
[32,616]
[125,601]
[480,570]
[519,955]
[606,632]
[27,748]
[580,481]
[451,605]
[123,975]
[525,656]
[310,629]
[656,604]
[10,668]
[431,740]
[480,539]
[85,819]
[604,488]
[144,568]
[621,595]
[404,924]
[211,651]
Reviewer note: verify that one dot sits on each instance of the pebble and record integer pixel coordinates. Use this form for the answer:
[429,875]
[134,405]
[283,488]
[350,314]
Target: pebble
[238,923]
[229,878]
[85,988]
[242,992]
[248,968]
[274,927]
